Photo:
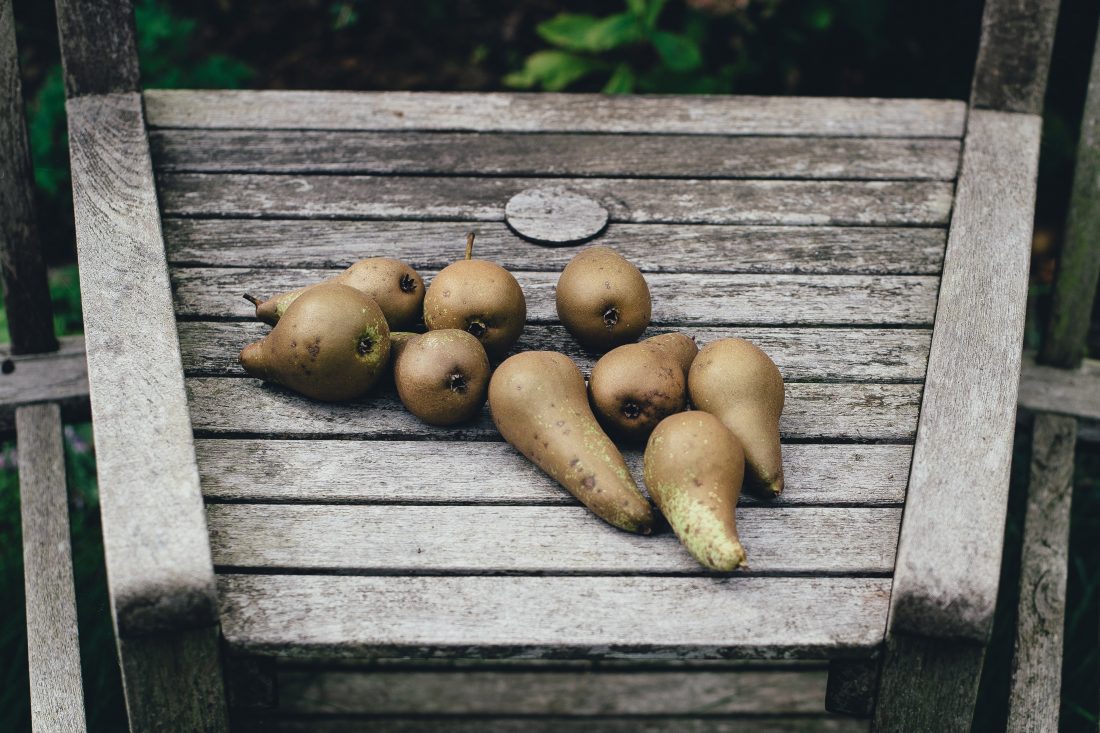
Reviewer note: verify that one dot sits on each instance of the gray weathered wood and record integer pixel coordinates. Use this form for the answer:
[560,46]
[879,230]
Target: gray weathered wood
[949,562]
[859,412]
[26,293]
[60,377]
[98,50]
[351,471]
[1079,260]
[53,651]
[1035,697]
[651,247]
[571,617]
[154,528]
[680,201]
[723,115]
[555,215]
[681,299]
[1073,392]
[523,724]
[852,686]
[173,682]
[584,693]
[1010,74]
[211,348]
[564,540]
[250,151]
[928,685]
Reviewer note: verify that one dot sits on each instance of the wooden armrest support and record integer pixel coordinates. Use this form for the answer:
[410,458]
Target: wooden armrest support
[159,567]
[949,555]
[58,376]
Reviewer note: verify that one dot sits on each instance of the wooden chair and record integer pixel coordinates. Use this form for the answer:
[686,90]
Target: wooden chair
[337,566]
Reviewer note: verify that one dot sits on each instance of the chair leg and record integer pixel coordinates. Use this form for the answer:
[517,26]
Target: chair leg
[852,686]
[928,685]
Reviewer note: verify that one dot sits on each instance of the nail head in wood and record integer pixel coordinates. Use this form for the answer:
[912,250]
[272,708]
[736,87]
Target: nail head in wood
[555,215]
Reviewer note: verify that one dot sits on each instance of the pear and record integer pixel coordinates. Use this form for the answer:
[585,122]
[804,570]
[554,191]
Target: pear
[442,376]
[634,387]
[395,287]
[736,382]
[602,299]
[539,405]
[331,344]
[480,297]
[693,470]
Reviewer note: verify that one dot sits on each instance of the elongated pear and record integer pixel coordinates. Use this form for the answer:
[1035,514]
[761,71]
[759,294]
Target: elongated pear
[693,470]
[736,382]
[634,387]
[331,344]
[540,406]
[394,286]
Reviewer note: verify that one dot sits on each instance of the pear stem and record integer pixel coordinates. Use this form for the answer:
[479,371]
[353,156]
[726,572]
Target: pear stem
[252,299]
[470,245]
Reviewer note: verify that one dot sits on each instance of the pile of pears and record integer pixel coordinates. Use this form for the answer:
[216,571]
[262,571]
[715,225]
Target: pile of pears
[339,339]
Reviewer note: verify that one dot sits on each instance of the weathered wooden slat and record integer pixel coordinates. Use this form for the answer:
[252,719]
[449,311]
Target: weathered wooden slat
[433,245]
[512,154]
[949,562]
[501,694]
[210,348]
[928,684]
[351,471]
[1010,74]
[1073,392]
[1035,697]
[724,115]
[675,201]
[681,299]
[60,376]
[154,528]
[53,650]
[725,724]
[22,269]
[860,412]
[98,50]
[359,616]
[557,540]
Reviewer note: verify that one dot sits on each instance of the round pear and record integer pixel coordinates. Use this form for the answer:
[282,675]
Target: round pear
[331,344]
[736,382]
[479,297]
[442,376]
[602,299]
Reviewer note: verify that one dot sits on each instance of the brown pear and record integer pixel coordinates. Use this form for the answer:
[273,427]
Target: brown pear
[540,406]
[736,382]
[634,387]
[693,469]
[395,287]
[480,297]
[442,376]
[331,344]
[602,299]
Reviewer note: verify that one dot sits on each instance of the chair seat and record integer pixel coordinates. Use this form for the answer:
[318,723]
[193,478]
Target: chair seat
[814,228]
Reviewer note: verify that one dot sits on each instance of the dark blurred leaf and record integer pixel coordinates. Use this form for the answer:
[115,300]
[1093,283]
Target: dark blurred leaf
[621,82]
[678,53]
[652,12]
[588,33]
[553,70]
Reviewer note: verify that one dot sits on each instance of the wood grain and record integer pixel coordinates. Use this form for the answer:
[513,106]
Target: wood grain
[1035,697]
[496,112]
[1010,74]
[300,243]
[542,154]
[554,540]
[586,693]
[1073,392]
[98,50]
[928,684]
[60,377]
[675,724]
[678,201]
[210,349]
[351,471]
[53,648]
[683,300]
[158,557]
[555,215]
[825,412]
[949,562]
[22,269]
[531,617]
